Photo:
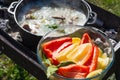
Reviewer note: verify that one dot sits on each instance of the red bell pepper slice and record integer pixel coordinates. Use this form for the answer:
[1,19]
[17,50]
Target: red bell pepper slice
[52,47]
[85,39]
[73,71]
[54,54]
[94,62]
[88,56]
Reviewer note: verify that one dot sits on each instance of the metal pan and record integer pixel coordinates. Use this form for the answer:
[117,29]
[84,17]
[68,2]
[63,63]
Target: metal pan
[20,8]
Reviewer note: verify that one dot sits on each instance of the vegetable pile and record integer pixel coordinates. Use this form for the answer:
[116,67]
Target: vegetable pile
[74,57]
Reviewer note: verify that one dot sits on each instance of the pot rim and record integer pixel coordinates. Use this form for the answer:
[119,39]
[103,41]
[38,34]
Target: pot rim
[89,12]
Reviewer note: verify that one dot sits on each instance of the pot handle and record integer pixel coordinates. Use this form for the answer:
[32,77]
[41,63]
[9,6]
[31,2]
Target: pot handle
[92,15]
[12,6]
[92,18]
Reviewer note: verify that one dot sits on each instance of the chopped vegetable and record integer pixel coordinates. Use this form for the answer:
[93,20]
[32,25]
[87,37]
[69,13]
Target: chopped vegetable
[102,63]
[76,40]
[75,57]
[94,62]
[51,48]
[100,52]
[54,26]
[104,55]
[50,70]
[26,27]
[94,73]
[65,63]
[62,55]
[88,56]
[86,38]
[73,71]
[79,52]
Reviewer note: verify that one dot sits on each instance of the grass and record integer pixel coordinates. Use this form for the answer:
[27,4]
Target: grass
[112,6]
[11,71]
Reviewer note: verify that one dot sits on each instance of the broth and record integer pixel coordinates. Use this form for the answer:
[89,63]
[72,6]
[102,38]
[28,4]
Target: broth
[42,20]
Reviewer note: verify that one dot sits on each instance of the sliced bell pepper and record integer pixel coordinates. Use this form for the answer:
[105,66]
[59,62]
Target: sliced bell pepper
[52,47]
[79,52]
[102,63]
[88,56]
[94,73]
[85,39]
[93,59]
[54,60]
[73,71]
[94,62]
[76,40]
[62,55]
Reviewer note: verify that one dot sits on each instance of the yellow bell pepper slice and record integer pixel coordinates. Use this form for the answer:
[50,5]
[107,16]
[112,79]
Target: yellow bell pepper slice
[76,40]
[94,73]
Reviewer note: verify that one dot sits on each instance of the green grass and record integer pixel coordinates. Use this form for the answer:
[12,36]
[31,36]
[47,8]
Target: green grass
[112,6]
[11,71]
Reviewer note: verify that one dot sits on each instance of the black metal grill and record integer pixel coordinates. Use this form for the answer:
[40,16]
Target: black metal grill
[11,42]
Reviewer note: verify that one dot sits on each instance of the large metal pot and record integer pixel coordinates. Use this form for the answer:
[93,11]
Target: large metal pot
[20,8]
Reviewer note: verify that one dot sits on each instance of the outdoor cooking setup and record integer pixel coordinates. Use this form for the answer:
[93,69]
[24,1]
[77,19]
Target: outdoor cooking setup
[20,44]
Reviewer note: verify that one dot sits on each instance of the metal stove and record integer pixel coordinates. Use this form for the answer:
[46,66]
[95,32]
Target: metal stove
[11,41]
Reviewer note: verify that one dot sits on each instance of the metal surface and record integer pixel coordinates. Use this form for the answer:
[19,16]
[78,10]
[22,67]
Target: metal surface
[21,55]
[26,58]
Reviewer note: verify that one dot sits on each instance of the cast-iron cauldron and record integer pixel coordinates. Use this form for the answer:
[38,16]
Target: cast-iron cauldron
[20,8]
